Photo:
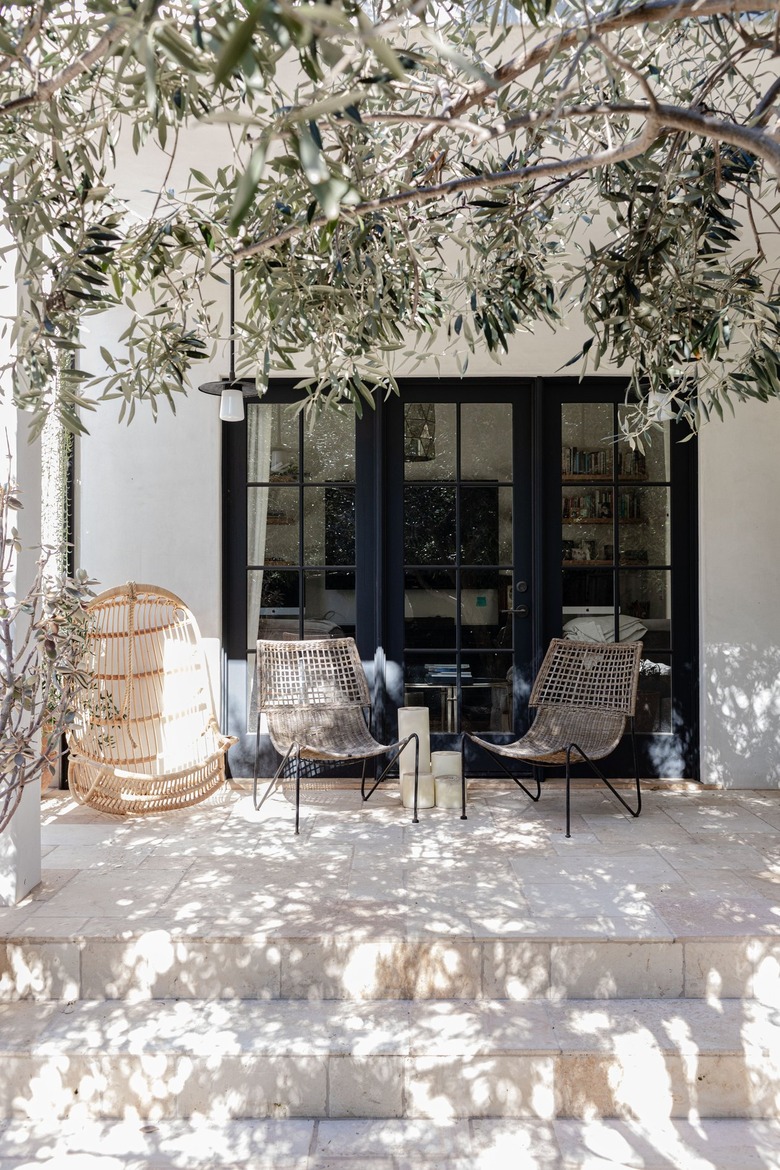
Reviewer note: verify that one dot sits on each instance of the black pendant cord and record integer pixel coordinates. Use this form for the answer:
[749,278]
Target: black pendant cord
[232,371]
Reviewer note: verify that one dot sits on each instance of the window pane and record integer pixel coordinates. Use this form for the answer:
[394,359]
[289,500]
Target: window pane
[587,527]
[486,695]
[329,526]
[588,595]
[429,608]
[429,525]
[486,441]
[272,444]
[272,526]
[647,595]
[329,607]
[432,689]
[588,432]
[429,440]
[654,699]
[329,448]
[485,524]
[651,463]
[480,607]
[645,537]
[272,610]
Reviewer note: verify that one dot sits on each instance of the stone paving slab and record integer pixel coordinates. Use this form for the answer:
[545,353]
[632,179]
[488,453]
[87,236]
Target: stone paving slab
[305,1144]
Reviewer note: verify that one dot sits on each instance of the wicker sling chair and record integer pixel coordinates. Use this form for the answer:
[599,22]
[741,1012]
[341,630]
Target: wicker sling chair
[145,738]
[584,695]
[315,697]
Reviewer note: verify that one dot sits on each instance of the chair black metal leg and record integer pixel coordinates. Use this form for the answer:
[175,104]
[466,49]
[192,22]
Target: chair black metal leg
[568,789]
[363,779]
[415,818]
[388,766]
[463,816]
[297,793]
[586,758]
[511,776]
[259,804]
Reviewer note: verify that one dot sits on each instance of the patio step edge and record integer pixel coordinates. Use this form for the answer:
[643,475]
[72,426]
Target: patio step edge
[363,965]
[439,1060]
[309,1144]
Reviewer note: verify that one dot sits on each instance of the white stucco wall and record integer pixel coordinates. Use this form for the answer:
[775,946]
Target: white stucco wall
[739,535]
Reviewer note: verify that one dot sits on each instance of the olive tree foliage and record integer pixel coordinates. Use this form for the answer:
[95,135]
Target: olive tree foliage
[400,175]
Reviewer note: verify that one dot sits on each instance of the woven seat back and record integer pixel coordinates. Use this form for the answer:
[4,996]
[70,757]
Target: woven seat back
[148,707]
[599,676]
[314,673]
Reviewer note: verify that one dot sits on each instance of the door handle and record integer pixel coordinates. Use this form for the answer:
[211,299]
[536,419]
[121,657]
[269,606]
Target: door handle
[522,610]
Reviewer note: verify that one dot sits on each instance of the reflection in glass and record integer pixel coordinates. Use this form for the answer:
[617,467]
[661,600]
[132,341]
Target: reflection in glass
[486,441]
[647,595]
[587,440]
[645,537]
[442,464]
[587,527]
[429,525]
[272,444]
[654,699]
[587,587]
[479,524]
[329,604]
[329,525]
[272,526]
[273,595]
[651,463]
[480,608]
[486,698]
[329,448]
[429,608]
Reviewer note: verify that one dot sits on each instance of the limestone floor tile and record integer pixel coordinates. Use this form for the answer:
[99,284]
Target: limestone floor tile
[251,1087]
[733,969]
[698,913]
[578,897]
[262,1144]
[425,1140]
[158,965]
[37,925]
[40,970]
[610,970]
[126,891]
[365,1087]
[491,1027]
[707,1144]
[501,1144]
[517,969]
[22,1023]
[499,1085]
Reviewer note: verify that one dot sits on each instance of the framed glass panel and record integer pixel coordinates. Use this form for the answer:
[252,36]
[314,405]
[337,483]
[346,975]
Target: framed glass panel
[429,525]
[329,604]
[329,447]
[587,441]
[647,596]
[432,688]
[429,608]
[645,535]
[479,524]
[486,692]
[329,525]
[654,697]
[653,461]
[587,527]
[481,613]
[272,526]
[430,440]
[274,606]
[486,441]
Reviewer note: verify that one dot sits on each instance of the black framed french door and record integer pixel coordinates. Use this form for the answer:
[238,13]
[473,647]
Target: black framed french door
[453,530]
[458,504]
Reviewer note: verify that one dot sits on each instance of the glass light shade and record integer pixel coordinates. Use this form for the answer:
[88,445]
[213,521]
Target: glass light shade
[231,405]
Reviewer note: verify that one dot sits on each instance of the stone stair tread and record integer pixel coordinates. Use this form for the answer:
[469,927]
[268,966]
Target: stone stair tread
[361,1144]
[429,1028]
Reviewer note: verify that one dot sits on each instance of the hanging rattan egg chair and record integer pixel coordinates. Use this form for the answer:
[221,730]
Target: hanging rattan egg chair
[145,737]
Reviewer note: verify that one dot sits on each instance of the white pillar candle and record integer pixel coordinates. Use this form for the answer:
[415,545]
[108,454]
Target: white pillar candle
[414,719]
[449,793]
[447,764]
[426,793]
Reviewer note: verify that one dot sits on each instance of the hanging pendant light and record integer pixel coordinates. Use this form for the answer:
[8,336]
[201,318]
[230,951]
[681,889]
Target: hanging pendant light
[231,390]
[419,432]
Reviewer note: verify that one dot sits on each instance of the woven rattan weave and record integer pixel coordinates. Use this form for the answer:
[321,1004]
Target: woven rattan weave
[584,695]
[315,697]
[145,738]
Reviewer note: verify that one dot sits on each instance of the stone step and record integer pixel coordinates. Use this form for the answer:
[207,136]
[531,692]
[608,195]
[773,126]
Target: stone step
[494,1144]
[358,962]
[643,1059]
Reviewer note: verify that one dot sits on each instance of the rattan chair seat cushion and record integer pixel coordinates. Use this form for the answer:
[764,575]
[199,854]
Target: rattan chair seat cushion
[597,732]
[321,733]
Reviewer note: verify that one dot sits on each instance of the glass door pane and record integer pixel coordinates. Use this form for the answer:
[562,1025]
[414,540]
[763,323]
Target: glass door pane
[457,537]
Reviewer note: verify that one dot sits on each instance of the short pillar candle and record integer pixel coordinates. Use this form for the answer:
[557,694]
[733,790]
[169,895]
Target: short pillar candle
[426,792]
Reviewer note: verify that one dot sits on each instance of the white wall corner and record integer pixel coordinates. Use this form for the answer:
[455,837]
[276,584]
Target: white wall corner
[739,550]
